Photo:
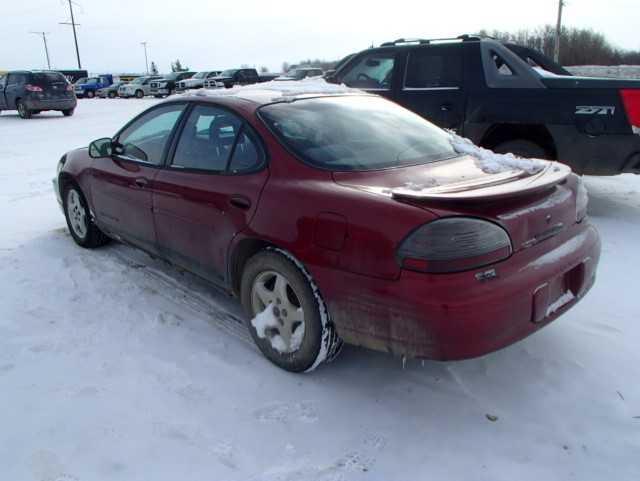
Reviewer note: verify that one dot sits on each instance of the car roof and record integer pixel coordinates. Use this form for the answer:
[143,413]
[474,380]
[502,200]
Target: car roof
[271,92]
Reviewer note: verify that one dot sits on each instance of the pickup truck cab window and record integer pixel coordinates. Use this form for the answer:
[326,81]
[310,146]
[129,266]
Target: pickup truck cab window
[373,71]
[146,138]
[431,69]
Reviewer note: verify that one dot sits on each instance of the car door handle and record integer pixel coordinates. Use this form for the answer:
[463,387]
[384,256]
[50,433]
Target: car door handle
[142,183]
[446,107]
[240,201]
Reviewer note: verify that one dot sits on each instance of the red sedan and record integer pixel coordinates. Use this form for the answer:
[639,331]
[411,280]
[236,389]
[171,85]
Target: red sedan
[340,216]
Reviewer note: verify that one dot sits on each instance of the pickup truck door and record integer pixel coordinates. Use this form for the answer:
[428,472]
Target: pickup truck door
[378,72]
[432,84]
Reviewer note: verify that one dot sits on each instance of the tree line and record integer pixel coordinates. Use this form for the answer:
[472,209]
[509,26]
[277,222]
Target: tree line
[578,46]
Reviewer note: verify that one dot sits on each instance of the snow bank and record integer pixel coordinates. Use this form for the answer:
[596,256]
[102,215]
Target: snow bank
[493,163]
[281,90]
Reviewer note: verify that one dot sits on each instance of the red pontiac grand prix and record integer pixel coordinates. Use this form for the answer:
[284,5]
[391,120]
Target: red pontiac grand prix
[337,216]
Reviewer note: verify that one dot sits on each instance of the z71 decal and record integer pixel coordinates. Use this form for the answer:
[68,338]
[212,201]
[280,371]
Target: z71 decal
[595,110]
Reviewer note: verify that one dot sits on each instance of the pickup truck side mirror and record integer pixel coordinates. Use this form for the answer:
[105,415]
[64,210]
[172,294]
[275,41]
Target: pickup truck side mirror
[101,148]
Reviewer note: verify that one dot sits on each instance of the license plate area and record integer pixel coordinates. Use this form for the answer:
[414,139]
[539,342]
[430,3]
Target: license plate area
[554,295]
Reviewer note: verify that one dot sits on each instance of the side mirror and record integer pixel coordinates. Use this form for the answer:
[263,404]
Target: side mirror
[101,148]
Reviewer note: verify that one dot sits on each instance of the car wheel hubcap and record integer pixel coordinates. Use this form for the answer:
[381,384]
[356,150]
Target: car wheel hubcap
[287,331]
[77,214]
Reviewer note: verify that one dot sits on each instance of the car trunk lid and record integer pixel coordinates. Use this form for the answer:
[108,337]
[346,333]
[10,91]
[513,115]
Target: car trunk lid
[532,207]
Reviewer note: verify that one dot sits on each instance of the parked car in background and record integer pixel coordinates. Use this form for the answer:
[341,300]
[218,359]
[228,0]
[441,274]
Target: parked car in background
[495,95]
[397,239]
[167,84]
[89,88]
[196,81]
[111,91]
[301,73]
[238,76]
[31,92]
[139,87]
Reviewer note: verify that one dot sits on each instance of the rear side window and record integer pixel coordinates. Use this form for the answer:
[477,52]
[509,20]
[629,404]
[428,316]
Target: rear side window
[427,69]
[214,140]
[16,79]
[501,65]
[373,71]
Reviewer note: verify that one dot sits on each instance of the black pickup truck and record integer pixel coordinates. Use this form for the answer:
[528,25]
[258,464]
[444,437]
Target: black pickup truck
[238,76]
[507,98]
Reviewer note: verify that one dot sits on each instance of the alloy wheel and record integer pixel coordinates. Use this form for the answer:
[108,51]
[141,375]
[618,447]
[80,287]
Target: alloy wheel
[77,214]
[270,288]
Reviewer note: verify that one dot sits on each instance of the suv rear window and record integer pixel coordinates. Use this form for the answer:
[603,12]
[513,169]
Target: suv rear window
[427,68]
[46,79]
[356,133]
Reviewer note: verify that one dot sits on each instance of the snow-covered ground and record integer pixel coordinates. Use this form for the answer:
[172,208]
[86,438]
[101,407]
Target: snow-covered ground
[613,71]
[117,367]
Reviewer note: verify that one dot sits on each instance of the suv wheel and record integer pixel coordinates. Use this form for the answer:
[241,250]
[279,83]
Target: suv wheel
[90,94]
[289,321]
[23,111]
[522,148]
[84,232]
[68,112]
[139,94]
[112,95]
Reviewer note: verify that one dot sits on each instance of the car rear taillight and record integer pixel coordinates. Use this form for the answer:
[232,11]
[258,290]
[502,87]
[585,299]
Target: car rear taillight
[69,88]
[631,101]
[454,244]
[32,88]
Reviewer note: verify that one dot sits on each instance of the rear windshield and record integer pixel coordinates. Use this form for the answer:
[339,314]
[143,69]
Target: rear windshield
[45,79]
[356,133]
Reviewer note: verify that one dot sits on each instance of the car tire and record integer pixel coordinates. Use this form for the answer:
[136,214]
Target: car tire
[68,112]
[91,94]
[139,94]
[290,289]
[522,148]
[81,226]
[112,95]
[158,96]
[23,111]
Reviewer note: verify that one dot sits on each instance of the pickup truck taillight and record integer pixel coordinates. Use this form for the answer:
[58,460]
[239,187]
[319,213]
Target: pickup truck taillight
[631,101]
[32,88]
[69,88]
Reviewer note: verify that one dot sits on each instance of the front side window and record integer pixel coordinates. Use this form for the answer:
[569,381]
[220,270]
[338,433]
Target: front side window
[214,140]
[356,133]
[501,65]
[373,71]
[146,138]
[426,68]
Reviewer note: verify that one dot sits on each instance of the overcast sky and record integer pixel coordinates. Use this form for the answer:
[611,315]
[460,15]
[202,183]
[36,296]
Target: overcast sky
[210,34]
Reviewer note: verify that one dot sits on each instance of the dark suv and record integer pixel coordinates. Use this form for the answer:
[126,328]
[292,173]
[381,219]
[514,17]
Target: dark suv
[507,98]
[31,92]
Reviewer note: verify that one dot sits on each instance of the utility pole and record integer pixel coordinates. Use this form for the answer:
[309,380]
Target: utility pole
[75,35]
[46,50]
[146,59]
[556,47]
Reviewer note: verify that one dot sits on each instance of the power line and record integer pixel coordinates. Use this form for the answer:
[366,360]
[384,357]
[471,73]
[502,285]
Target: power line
[75,35]
[556,47]
[46,49]
[146,59]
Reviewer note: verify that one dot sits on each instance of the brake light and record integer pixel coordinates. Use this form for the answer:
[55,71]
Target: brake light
[631,101]
[454,244]
[69,88]
[32,88]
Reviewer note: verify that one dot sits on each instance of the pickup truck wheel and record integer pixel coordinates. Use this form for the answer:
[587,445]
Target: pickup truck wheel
[76,210]
[23,111]
[289,321]
[68,112]
[90,94]
[112,95]
[139,94]
[522,148]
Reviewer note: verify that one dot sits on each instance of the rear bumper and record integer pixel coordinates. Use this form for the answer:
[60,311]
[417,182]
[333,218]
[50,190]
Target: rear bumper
[456,316]
[163,91]
[59,104]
